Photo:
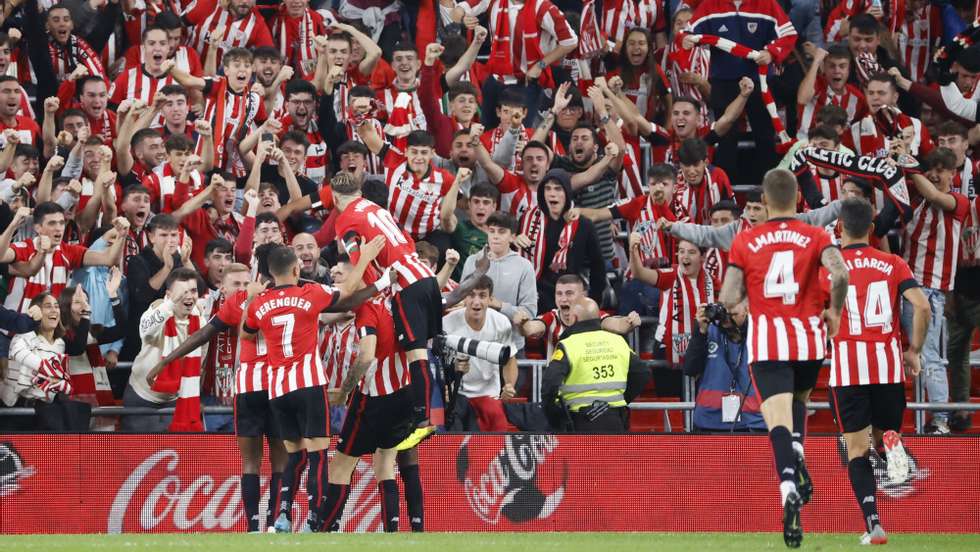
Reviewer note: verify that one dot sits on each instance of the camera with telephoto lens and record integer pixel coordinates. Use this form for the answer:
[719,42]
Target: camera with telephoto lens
[716,313]
[447,346]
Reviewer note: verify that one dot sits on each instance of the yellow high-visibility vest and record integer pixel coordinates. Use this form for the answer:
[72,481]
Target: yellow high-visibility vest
[599,363]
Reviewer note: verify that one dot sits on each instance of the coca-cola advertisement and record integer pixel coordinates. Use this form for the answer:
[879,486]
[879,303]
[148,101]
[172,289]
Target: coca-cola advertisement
[113,483]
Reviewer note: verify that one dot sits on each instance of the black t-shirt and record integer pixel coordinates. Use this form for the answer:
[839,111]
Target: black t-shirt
[270,173]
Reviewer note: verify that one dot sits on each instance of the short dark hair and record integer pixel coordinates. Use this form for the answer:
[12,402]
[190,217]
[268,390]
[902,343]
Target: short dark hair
[299,86]
[163,221]
[688,99]
[484,282]
[952,128]
[589,127]
[344,183]
[865,23]
[27,150]
[725,205]
[81,83]
[345,37]
[504,220]
[182,274]
[236,54]
[511,96]
[484,189]
[940,158]
[881,76]
[420,138]
[178,142]
[361,91]
[281,260]
[167,20]
[267,52]
[825,132]
[567,279]
[780,188]
[46,208]
[353,146]
[262,257]
[404,46]
[375,191]
[133,190]
[150,29]
[220,245]
[173,89]
[536,144]
[856,216]
[142,135]
[692,151]
[9,78]
[462,88]
[266,218]
[838,51]
[428,252]
[661,171]
[833,115]
[296,137]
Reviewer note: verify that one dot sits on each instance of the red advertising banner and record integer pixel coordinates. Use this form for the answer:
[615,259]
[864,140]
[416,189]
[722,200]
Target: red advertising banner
[114,483]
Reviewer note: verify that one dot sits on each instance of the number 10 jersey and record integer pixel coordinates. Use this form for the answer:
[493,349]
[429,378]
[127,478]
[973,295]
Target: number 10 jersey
[780,260]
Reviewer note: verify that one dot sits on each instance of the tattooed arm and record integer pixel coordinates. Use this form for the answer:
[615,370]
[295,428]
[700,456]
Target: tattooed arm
[833,261]
[733,288]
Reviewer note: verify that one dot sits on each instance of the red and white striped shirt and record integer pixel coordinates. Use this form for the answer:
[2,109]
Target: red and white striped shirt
[415,201]
[338,346]
[207,16]
[316,154]
[916,37]
[656,248]
[932,242]
[780,260]
[851,99]
[241,110]
[866,136]
[287,317]
[389,372]
[492,137]
[678,306]
[26,128]
[631,180]
[252,373]
[697,200]
[516,197]
[554,328]
[53,276]
[363,219]
[867,348]
[416,118]
[136,84]
[963,180]
[715,263]
[162,183]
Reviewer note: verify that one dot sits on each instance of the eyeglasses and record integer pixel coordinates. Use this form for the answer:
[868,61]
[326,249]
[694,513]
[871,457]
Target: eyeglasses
[302,102]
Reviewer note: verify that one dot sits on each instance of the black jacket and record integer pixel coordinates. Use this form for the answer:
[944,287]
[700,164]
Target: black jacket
[141,268]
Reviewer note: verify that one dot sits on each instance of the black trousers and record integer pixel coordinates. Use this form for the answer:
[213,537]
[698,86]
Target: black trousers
[614,420]
[62,414]
[726,155]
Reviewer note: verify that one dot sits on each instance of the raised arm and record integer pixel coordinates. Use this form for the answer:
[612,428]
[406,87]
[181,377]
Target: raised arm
[182,77]
[20,215]
[447,207]
[465,61]
[943,200]
[197,201]
[562,99]
[113,255]
[807,88]
[734,109]
[49,127]
[640,272]
[370,136]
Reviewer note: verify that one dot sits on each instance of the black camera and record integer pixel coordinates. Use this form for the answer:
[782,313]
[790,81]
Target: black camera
[716,312]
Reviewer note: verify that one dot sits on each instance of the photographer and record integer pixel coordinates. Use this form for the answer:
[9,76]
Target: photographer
[480,383]
[717,356]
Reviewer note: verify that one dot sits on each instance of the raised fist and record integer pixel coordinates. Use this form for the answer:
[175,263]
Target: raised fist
[746,86]
[480,34]
[463,174]
[285,73]
[202,127]
[612,149]
[51,105]
[65,139]
[167,65]
[432,53]
[45,245]
[452,257]
[55,164]
[35,313]
[74,187]
[79,72]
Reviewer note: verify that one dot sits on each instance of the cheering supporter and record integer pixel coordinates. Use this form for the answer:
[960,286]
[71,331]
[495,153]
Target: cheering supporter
[826,83]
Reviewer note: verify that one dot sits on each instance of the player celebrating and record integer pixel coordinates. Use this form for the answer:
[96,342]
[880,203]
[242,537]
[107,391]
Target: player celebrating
[287,316]
[418,303]
[776,263]
[866,378]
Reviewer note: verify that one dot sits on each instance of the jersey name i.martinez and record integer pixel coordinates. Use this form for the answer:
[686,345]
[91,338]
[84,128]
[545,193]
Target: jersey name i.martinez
[280,302]
[778,236]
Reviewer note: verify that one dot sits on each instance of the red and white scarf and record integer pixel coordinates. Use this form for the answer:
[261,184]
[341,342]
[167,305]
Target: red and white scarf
[678,61]
[65,57]
[52,376]
[182,376]
[399,121]
[89,380]
[533,226]
[678,309]
[527,30]
[295,38]
[591,40]
[736,49]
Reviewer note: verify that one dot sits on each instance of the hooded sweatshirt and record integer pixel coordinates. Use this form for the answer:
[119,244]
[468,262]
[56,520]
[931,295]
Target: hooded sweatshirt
[584,256]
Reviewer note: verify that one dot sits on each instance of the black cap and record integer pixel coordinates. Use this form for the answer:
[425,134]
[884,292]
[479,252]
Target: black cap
[969,59]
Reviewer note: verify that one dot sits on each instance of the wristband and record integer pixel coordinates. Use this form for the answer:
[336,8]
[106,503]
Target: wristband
[384,281]
[542,64]
[604,119]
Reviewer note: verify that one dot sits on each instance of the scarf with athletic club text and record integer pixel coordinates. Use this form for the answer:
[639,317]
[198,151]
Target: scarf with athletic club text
[182,377]
[533,226]
[886,175]
[65,57]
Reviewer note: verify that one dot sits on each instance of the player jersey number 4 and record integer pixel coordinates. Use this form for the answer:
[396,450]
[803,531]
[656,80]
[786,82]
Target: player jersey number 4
[780,260]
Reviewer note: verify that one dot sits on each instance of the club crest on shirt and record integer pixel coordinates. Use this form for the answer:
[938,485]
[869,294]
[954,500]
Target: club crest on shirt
[752,26]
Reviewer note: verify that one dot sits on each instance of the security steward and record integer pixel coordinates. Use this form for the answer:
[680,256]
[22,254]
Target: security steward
[592,376]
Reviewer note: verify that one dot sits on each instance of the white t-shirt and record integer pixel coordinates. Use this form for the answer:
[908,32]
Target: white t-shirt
[483,379]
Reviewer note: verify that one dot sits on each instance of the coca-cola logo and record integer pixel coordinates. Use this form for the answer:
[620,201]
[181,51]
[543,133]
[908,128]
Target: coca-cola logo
[509,484]
[165,496]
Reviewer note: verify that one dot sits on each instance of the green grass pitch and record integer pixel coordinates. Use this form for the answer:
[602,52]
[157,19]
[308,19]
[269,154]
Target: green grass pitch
[491,542]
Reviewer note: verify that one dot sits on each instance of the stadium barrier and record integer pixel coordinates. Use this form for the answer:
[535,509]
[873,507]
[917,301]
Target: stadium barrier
[112,483]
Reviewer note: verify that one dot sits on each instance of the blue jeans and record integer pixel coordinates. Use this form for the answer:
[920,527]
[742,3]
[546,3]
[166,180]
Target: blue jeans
[805,16]
[934,349]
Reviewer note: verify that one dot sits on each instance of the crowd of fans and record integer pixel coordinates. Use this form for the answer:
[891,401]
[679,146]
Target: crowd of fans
[589,148]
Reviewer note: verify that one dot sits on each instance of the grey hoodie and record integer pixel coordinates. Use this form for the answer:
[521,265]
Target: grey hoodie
[514,285]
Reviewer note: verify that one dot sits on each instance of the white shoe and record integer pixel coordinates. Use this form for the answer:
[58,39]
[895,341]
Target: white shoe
[898,459]
[876,536]
[939,427]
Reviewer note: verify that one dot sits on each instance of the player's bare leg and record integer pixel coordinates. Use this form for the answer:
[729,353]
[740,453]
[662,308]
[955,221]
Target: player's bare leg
[384,472]
[408,467]
[777,411]
[863,483]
